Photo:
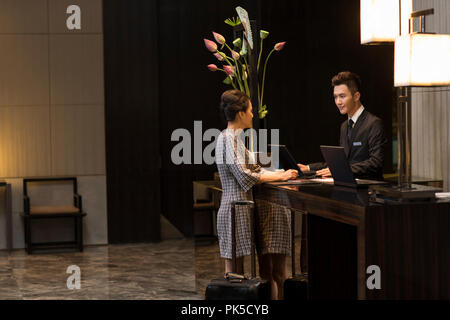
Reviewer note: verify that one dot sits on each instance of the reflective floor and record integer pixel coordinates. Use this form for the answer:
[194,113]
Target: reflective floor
[171,269]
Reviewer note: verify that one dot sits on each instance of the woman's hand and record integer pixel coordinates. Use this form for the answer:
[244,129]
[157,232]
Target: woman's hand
[269,176]
[289,175]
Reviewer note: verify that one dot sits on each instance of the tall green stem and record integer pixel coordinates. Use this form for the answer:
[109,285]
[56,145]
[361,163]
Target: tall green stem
[248,75]
[264,77]
[260,53]
[232,83]
[237,69]
[247,90]
[238,75]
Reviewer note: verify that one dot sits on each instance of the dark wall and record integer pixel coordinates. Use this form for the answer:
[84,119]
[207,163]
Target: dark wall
[156,58]
[131,120]
[189,91]
[323,38]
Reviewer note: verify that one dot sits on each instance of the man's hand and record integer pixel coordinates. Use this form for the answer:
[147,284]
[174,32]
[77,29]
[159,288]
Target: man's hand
[303,167]
[325,173]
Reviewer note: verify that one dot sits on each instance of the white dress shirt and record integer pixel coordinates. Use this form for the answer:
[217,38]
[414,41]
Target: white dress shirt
[356,115]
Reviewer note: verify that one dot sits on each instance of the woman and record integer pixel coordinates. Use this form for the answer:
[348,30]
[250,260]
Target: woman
[238,176]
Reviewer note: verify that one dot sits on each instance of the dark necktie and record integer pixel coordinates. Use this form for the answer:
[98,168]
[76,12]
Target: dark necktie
[349,129]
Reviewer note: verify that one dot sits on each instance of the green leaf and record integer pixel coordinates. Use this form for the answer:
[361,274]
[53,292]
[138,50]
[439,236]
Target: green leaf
[227,80]
[243,51]
[263,114]
[235,21]
[237,43]
[263,34]
[262,111]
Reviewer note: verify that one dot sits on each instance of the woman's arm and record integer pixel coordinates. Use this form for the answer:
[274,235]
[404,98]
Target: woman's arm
[268,176]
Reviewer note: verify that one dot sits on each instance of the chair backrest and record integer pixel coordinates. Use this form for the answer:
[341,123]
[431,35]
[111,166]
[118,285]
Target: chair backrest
[201,192]
[50,191]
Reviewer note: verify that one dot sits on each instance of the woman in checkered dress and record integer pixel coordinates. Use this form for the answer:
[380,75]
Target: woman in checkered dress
[238,175]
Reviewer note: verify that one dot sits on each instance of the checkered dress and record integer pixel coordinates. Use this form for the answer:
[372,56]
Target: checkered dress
[238,176]
[273,228]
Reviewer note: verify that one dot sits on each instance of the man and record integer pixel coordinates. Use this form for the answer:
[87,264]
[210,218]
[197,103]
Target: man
[362,134]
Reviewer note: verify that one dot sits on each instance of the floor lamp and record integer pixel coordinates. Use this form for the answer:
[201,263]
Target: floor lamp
[421,60]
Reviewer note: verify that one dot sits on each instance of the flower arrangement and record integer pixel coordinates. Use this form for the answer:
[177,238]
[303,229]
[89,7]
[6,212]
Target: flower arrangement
[235,63]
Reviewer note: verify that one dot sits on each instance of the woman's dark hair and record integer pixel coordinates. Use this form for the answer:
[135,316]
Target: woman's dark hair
[232,102]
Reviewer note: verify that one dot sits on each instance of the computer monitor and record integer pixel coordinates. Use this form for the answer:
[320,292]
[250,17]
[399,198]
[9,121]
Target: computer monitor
[286,160]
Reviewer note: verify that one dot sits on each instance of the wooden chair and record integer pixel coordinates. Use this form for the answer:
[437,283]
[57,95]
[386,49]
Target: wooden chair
[32,213]
[204,210]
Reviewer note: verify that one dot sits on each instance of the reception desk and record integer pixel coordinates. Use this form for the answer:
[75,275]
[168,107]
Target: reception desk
[348,232]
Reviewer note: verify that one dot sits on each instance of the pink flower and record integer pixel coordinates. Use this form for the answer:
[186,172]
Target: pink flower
[219,38]
[210,45]
[212,67]
[279,46]
[235,55]
[218,56]
[229,70]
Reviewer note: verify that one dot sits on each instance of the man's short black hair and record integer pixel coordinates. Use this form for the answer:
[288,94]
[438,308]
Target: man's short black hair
[350,79]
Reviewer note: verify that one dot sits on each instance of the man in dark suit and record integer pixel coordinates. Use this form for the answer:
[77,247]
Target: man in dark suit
[362,134]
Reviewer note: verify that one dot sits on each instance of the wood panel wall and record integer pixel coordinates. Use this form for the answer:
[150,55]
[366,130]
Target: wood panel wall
[132,120]
[431,110]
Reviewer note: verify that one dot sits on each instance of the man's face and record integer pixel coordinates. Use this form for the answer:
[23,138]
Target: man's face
[345,101]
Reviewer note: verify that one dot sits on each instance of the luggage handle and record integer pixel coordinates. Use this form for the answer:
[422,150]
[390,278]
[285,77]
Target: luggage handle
[252,234]
[234,277]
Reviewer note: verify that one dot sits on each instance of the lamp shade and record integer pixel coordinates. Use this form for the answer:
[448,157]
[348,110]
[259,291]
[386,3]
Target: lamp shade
[380,20]
[422,60]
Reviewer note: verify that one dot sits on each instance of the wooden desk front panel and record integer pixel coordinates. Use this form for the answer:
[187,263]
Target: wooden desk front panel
[409,242]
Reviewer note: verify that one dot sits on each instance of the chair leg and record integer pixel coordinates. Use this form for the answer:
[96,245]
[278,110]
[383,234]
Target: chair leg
[28,241]
[75,229]
[80,233]
[25,223]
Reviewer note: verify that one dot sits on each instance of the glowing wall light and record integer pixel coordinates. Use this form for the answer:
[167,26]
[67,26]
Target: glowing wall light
[422,60]
[380,20]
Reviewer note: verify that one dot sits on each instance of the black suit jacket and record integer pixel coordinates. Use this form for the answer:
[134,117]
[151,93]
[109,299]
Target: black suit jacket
[365,149]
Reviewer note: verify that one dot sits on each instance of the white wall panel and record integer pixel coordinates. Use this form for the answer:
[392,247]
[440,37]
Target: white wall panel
[24,73]
[23,16]
[78,138]
[52,107]
[431,110]
[76,69]
[24,141]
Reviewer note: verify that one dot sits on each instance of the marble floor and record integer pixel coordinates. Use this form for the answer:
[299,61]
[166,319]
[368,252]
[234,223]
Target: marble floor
[169,270]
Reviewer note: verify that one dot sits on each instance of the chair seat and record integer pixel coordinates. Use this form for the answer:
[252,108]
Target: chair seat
[203,205]
[53,209]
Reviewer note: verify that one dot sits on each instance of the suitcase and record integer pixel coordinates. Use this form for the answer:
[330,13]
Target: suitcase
[235,286]
[296,287]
